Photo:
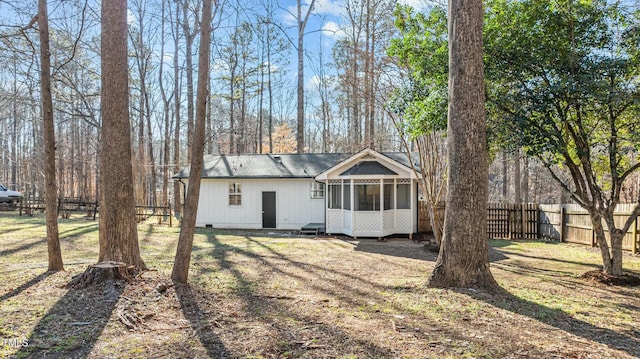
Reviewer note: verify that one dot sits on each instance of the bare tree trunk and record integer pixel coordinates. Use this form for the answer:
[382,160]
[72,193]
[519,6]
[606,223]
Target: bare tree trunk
[14,130]
[302,23]
[464,258]
[177,196]
[180,271]
[270,89]
[152,160]
[51,187]
[517,194]
[505,179]
[118,230]
[167,123]
[525,178]
[189,36]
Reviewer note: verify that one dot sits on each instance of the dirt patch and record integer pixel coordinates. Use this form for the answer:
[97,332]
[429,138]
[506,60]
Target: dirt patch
[600,277]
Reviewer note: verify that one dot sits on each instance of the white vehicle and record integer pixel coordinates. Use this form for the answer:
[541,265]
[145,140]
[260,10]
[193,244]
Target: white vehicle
[8,196]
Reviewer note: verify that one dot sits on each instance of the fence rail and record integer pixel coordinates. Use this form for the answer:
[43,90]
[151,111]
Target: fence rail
[29,206]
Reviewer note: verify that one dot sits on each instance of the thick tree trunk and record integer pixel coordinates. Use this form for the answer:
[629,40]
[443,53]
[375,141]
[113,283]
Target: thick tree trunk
[525,178]
[463,260]
[505,179]
[611,256]
[517,193]
[118,229]
[51,187]
[180,271]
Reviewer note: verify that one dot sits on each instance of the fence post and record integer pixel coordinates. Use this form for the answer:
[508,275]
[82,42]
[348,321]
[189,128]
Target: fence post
[563,223]
[634,247]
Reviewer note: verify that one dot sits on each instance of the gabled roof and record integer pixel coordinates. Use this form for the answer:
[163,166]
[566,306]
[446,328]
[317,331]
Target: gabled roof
[368,168]
[305,165]
[375,163]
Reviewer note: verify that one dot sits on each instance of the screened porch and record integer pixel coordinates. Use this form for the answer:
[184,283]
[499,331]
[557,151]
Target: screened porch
[370,207]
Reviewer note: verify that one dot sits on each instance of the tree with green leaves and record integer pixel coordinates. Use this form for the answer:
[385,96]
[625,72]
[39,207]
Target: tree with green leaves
[418,108]
[443,57]
[563,84]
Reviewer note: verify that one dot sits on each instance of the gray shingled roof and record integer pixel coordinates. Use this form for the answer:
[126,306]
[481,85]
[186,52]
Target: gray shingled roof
[368,168]
[306,165]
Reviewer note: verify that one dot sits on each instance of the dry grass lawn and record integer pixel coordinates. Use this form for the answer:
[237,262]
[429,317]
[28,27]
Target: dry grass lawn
[275,295]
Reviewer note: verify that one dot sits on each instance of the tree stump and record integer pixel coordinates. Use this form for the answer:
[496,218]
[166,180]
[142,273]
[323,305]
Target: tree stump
[108,272]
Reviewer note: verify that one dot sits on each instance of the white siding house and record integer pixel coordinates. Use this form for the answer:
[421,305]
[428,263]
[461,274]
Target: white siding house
[368,194]
[291,204]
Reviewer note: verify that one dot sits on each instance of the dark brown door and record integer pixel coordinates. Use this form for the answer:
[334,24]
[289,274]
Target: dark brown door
[268,210]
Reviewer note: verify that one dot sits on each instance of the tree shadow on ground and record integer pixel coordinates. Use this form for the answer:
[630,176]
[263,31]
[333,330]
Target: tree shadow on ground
[585,264]
[289,328]
[559,319]
[189,298]
[77,232]
[7,252]
[35,280]
[18,229]
[397,247]
[405,248]
[71,328]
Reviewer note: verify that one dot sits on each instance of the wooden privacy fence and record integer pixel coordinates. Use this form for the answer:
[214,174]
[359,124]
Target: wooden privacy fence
[557,222]
[512,221]
[572,224]
[504,220]
[424,221]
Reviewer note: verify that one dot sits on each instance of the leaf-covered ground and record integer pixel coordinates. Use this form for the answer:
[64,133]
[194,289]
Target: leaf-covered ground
[278,295]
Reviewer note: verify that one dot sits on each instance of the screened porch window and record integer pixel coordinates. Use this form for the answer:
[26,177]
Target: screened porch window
[335,196]
[389,202]
[347,195]
[367,197]
[404,196]
[235,194]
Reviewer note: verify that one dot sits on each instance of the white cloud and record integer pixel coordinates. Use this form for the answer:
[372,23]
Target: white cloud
[422,4]
[167,58]
[327,7]
[332,29]
[219,65]
[131,18]
[312,82]
[273,68]
[321,7]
